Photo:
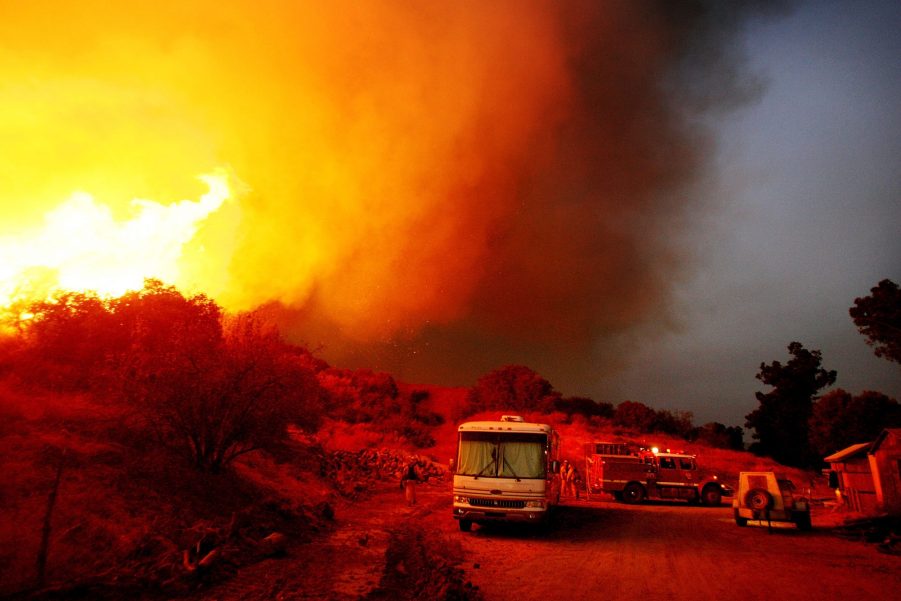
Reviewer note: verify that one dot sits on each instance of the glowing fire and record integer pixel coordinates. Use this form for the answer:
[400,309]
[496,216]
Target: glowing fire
[83,247]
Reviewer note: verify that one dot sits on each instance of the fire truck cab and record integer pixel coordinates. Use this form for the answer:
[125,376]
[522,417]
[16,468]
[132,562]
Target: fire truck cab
[633,475]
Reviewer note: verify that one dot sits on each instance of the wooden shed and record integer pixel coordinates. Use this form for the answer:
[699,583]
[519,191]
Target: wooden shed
[885,464]
[855,477]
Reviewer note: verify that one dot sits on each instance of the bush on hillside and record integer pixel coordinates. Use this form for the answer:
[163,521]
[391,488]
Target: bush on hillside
[511,388]
[583,406]
[635,416]
[641,418]
[365,396]
[208,387]
[719,436]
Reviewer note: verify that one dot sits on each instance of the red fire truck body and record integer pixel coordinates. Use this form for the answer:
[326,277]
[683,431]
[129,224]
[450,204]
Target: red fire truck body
[635,475]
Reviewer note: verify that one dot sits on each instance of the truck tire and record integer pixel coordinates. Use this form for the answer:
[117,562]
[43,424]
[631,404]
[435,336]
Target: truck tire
[633,493]
[758,499]
[465,525]
[740,521]
[712,495]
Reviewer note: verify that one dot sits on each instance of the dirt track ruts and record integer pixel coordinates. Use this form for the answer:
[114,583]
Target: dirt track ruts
[345,564]
[607,550]
[594,550]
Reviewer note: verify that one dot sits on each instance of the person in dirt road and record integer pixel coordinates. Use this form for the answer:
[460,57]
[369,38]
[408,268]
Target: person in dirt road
[410,478]
[576,481]
[568,475]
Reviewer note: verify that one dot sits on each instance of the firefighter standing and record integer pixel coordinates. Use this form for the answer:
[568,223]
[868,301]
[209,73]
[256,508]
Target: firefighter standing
[576,482]
[568,475]
[409,480]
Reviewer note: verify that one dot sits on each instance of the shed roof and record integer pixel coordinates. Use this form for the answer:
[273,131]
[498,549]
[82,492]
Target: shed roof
[853,451]
[896,432]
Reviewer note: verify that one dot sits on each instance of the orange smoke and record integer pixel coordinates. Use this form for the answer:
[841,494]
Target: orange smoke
[496,176]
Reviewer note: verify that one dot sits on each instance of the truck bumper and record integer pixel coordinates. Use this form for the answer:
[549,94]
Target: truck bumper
[480,515]
[773,515]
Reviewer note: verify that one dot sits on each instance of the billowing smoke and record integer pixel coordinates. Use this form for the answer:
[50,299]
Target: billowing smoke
[432,188]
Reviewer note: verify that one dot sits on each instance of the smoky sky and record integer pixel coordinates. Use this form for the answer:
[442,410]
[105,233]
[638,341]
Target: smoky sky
[585,240]
[430,189]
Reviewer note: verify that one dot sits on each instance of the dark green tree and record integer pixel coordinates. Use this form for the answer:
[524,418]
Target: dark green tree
[839,419]
[635,415]
[720,436]
[583,406]
[511,388]
[67,342]
[677,423]
[207,386]
[878,317]
[780,422]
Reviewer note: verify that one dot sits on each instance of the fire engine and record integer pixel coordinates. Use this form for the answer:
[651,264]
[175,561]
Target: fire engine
[634,474]
[505,470]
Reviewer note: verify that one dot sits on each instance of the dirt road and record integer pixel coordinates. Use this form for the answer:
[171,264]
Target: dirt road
[358,559]
[602,550]
[596,550]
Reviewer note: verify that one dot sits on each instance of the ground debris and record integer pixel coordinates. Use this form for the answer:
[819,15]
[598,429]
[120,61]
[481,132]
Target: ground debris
[882,529]
[418,568]
[353,473]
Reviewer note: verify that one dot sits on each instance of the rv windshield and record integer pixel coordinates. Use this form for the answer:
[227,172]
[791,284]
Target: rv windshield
[500,455]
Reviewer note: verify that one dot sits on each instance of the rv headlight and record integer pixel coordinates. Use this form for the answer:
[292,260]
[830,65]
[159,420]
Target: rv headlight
[539,504]
[461,499]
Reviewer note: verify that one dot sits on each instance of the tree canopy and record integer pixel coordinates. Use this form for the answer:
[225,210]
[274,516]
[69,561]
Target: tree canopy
[511,388]
[840,419]
[210,387]
[878,317]
[780,422]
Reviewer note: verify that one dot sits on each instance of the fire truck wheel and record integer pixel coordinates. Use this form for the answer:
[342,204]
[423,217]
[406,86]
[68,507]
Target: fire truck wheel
[758,499]
[465,525]
[712,495]
[633,493]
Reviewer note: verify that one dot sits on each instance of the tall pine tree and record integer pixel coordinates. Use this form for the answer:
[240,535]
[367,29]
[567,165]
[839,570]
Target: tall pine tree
[780,423]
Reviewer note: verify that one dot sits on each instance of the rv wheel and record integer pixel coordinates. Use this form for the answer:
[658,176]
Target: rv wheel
[465,525]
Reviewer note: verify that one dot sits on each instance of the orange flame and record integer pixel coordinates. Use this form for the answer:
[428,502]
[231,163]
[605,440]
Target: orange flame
[82,247]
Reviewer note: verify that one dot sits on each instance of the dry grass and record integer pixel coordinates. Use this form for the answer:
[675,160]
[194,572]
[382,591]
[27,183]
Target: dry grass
[122,513]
